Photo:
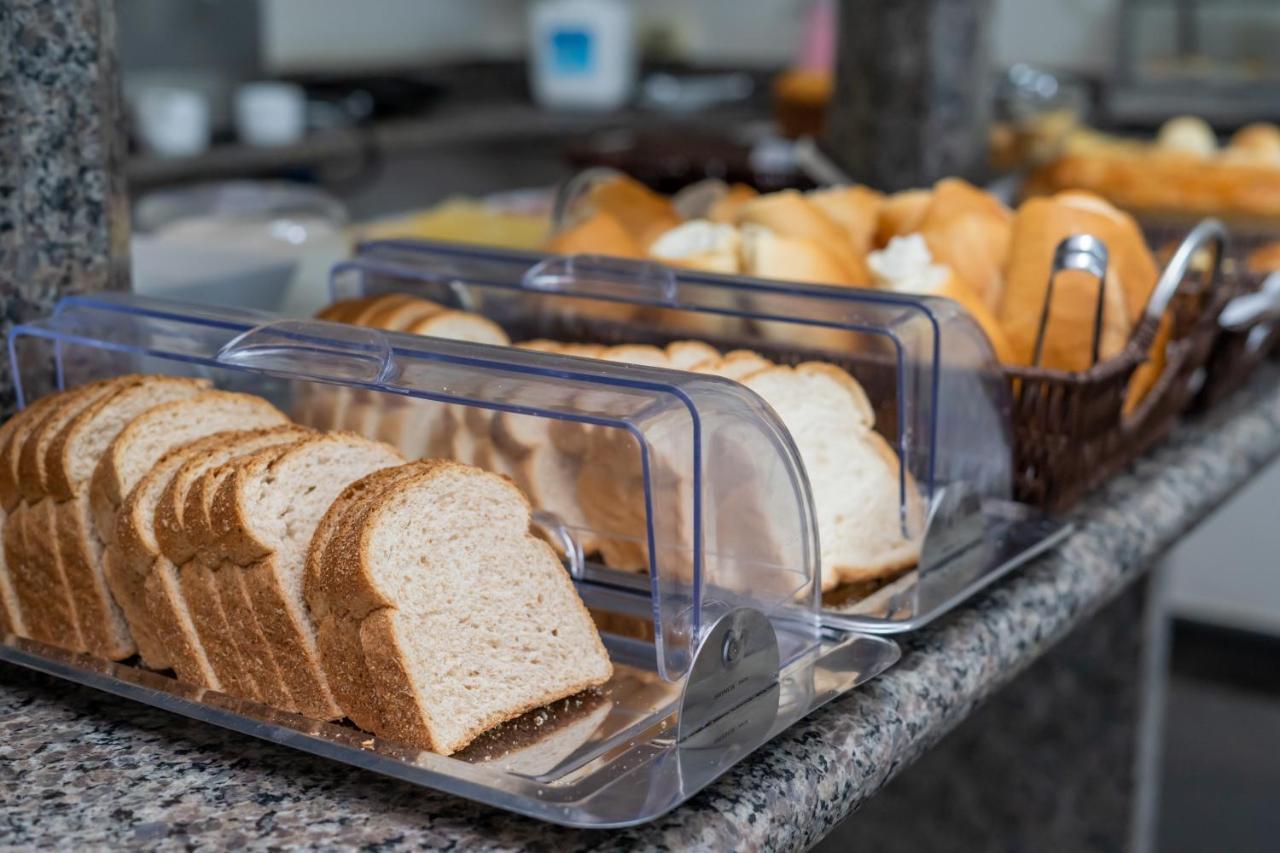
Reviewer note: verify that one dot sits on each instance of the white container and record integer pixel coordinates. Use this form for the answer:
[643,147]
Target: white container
[173,122]
[582,53]
[270,113]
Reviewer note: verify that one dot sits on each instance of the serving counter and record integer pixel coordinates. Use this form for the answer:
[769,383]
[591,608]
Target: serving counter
[1055,659]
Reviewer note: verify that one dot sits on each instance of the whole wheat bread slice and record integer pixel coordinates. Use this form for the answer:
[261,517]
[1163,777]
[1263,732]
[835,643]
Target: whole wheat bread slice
[327,589]
[453,656]
[46,562]
[160,429]
[70,461]
[134,539]
[265,515]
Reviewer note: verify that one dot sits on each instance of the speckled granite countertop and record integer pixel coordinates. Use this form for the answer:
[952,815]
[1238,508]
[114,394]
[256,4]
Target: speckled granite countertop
[86,769]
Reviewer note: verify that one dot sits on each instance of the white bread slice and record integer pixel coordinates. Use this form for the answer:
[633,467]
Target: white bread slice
[452,657]
[173,618]
[852,471]
[611,480]
[130,455]
[736,365]
[70,462]
[690,355]
[328,590]
[265,514]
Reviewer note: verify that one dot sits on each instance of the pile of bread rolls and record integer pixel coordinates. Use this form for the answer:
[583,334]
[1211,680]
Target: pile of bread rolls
[1182,171]
[953,240]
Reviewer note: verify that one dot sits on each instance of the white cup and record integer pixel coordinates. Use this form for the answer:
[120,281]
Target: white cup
[270,113]
[173,122]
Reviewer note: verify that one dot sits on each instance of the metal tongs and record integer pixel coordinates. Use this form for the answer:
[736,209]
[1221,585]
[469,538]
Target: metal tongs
[1089,254]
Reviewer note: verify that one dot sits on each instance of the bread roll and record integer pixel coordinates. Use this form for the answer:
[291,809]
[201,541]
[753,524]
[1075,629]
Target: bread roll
[1258,143]
[901,213]
[905,266]
[856,209]
[969,230]
[601,233]
[1187,135]
[1039,226]
[767,254]
[1126,246]
[700,245]
[727,208]
[790,215]
[643,214]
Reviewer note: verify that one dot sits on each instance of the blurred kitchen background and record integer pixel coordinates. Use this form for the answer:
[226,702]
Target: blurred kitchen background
[266,135]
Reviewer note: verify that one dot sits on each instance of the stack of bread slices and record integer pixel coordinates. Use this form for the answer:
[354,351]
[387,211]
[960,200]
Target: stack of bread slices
[158,516]
[869,514]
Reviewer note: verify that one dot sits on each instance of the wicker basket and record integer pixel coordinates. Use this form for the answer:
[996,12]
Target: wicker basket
[1071,429]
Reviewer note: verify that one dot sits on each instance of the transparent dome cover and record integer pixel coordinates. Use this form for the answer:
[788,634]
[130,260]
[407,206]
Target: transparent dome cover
[717,639]
[940,401]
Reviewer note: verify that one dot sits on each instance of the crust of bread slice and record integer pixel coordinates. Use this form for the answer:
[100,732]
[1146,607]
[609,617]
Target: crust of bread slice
[246,634]
[213,629]
[487,668]
[400,316]
[39,569]
[224,622]
[98,625]
[690,355]
[344,310]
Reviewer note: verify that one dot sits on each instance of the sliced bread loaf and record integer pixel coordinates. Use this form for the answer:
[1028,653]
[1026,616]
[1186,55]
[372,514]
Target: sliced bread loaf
[66,613]
[174,621]
[853,473]
[466,619]
[265,514]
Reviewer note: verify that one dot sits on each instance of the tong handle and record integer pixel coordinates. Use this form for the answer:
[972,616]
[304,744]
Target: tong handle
[1077,252]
